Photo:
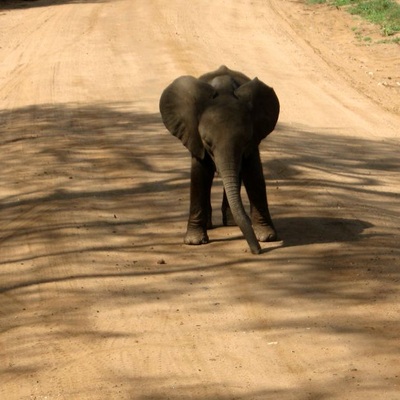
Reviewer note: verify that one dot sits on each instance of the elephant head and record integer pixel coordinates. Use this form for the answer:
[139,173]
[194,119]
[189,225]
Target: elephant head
[225,114]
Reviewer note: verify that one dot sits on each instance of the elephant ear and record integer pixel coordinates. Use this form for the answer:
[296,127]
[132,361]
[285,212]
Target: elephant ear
[263,104]
[181,105]
[237,76]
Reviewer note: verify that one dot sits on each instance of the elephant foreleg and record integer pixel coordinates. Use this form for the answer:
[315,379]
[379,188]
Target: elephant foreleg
[253,179]
[200,214]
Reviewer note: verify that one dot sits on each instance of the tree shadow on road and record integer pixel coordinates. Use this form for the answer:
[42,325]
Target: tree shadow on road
[323,177]
[91,216]
[321,230]
[75,171]
[22,4]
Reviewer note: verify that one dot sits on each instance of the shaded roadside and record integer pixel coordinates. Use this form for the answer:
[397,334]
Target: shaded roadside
[21,4]
[76,228]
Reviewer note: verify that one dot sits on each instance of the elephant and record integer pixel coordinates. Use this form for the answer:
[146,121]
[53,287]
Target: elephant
[221,118]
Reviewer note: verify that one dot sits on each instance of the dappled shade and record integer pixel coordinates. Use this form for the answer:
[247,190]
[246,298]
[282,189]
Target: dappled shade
[69,197]
[18,4]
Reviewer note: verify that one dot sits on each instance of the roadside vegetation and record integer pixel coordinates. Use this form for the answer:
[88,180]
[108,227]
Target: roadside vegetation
[385,13]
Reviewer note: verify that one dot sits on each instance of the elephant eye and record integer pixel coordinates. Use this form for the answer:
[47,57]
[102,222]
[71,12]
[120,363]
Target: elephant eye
[216,94]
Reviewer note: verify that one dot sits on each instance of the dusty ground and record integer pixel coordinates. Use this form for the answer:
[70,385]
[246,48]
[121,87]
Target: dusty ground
[99,298]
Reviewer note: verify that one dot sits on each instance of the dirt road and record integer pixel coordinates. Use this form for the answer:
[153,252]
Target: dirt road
[99,298]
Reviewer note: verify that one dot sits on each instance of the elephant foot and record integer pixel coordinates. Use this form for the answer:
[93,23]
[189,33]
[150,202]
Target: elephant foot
[265,233]
[196,236]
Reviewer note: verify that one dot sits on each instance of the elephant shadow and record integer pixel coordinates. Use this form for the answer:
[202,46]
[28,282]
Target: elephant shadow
[297,231]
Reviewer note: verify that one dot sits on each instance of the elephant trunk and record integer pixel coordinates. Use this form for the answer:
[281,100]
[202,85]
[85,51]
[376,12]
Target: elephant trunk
[231,182]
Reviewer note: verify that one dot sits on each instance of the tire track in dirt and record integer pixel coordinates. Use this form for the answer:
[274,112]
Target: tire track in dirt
[100,298]
[371,69]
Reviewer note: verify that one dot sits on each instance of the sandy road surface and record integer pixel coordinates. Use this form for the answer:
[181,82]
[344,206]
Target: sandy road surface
[99,298]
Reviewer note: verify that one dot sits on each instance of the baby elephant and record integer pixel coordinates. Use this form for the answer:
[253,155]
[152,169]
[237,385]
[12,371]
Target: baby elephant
[221,117]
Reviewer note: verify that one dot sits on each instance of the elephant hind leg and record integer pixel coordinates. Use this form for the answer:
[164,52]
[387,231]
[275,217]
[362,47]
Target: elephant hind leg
[227,216]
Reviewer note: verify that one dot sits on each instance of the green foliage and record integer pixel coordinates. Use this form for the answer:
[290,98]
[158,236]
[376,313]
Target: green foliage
[340,3]
[385,13]
[392,40]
